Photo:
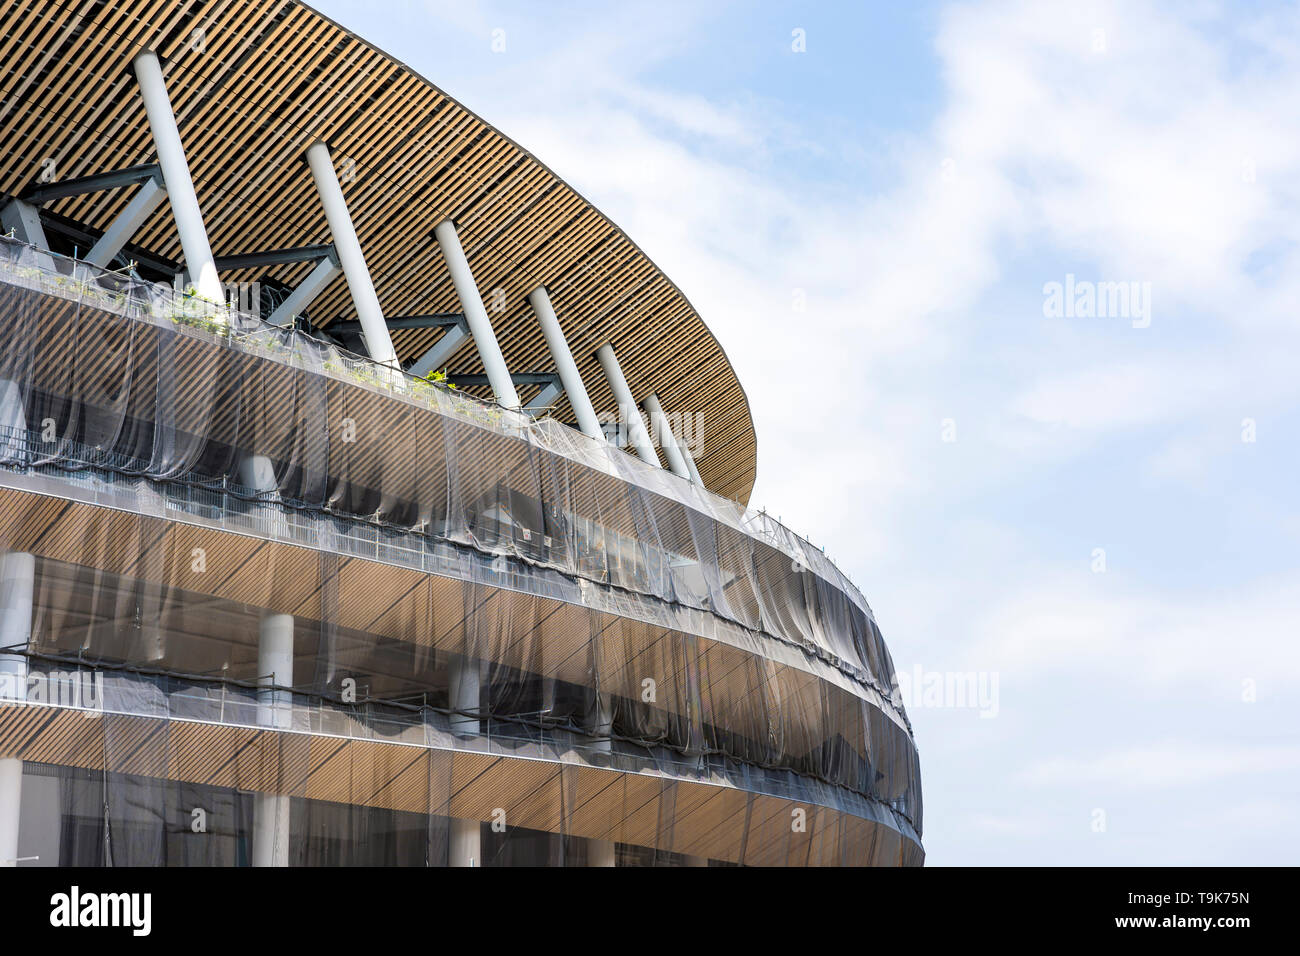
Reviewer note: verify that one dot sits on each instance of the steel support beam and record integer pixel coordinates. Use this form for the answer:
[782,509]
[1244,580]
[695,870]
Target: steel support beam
[684,447]
[544,399]
[41,193]
[86,239]
[613,434]
[395,323]
[24,221]
[518,378]
[441,351]
[325,272]
[129,220]
[275,257]
[475,315]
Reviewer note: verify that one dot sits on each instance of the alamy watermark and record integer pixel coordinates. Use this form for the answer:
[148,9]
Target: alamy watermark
[1085,299]
[958,690]
[687,429]
[74,909]
[81,689]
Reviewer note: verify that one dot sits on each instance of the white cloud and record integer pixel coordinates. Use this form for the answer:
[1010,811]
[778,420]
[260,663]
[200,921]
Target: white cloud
[1166,156]
[1099,626]
[1119,395]
[1168,765]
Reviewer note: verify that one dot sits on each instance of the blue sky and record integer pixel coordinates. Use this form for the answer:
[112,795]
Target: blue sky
[1100,511]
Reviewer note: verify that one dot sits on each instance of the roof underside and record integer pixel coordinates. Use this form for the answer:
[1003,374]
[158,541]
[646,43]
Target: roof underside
[261,81]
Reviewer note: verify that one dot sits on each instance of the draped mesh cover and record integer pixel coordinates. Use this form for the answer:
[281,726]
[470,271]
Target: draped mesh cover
[409,529]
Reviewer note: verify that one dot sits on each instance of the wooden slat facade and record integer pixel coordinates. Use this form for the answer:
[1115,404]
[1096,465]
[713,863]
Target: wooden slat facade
[539,635]
[253,84]
[683,816]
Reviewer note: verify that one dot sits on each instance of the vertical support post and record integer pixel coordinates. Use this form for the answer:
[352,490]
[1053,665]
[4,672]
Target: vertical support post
[465,843]
[471,304]
[348,248]
[176,176]
[667,440]
[258,473]
[602,853]
[274,709]
[627,405]
[13,422]
[604,723]
[465,694]
[465,689]
[588,423]
[17,586]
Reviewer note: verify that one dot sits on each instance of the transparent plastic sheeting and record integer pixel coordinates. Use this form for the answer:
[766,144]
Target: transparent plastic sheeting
[122,588]
[127,368]
[122,379]
[383,788]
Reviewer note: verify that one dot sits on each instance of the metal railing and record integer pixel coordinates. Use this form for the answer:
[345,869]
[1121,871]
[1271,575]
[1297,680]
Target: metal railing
[231,507]
[233,703]
[51,273]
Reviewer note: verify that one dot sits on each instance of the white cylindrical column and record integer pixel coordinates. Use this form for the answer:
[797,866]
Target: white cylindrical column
[348,248]
[274,709]
[176,176]
[476,316]
[667,440]
[684,447]
[601,853]
[11,798]
[604,723]
[17,586]
[588,423]
[465,843]
[258,472]
[275,670]
[271,829]
[465,690]
[14,440]
[627,405]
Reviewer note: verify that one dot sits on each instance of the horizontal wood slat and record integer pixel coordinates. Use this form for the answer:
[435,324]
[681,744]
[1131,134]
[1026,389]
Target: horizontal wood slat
[678,816]
[254,83]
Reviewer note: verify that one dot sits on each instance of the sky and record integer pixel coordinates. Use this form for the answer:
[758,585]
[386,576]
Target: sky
[1011,289]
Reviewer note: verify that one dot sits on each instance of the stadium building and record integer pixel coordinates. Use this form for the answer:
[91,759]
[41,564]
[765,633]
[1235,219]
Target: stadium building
[368,497]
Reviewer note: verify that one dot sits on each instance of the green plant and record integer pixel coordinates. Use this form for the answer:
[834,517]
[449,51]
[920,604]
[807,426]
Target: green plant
[198,312]
[440,378]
